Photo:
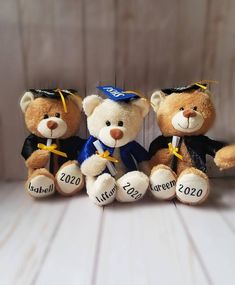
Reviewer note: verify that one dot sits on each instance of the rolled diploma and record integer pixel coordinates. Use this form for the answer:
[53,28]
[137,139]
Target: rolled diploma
[175,141]
[49,142]
[109,165]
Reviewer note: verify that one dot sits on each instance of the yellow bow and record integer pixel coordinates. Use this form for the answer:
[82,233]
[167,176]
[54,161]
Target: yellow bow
[106,155]
[174,151]
[52,148]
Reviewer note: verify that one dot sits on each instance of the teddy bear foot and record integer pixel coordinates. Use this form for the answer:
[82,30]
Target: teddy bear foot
[192,187]
[69,179]
[101,190]
[132,186]
[40,184]
[163,182]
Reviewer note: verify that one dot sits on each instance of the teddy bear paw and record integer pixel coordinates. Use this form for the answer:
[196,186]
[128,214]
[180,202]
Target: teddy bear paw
[132,186]
[163,183]
[69,179]
[192,188]
[102,190]
[40,186]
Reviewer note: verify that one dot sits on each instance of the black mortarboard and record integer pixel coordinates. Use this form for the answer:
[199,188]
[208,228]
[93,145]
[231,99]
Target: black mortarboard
[189,88]
[53,93]
[59,94]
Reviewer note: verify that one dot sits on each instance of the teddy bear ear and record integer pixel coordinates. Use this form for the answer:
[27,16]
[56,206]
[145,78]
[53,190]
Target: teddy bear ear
[90,103]
[27,98]
[156,99]
[143,105]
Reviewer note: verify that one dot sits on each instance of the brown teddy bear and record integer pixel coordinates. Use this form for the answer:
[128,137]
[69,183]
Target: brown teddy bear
[178,157]
[50,151]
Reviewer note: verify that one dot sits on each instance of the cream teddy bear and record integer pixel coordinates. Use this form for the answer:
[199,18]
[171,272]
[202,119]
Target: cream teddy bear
[116,169]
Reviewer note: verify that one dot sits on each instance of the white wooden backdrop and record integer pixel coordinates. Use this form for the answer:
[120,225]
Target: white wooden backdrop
[135,44]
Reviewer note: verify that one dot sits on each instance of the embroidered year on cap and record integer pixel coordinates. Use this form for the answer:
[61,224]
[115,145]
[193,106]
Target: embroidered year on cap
[118,94]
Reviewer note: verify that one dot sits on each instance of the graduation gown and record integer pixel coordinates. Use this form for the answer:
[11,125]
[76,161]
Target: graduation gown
[131,153]
[198,147]
[71,146]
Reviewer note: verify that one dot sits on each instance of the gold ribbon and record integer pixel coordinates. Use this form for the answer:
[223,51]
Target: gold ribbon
[200,83]
[52,148]
[62,99]
[136,93]
[174,151]
[106,155]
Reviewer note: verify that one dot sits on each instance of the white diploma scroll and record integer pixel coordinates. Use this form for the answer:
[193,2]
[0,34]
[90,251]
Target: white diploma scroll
[109,164]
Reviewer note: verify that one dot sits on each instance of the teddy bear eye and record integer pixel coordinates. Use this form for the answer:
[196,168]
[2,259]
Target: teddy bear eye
[195,108]
[120,123]
[181,109]
[57,115]
[108,123]
[46,116]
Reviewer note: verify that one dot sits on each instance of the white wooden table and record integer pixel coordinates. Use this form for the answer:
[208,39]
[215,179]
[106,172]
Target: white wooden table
[71,241]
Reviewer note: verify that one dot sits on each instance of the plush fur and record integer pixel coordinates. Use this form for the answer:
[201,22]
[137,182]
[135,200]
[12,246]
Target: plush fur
[225,158]
[115,125]
[46,118]
[188,116]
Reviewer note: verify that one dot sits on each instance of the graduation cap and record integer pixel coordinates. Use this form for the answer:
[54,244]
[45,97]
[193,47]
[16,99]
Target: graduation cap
[59,94]
[118,94]
[188,88]
[52,93]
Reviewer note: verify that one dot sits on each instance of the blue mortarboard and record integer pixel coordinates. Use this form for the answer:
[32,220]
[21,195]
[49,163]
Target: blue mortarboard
[118,94]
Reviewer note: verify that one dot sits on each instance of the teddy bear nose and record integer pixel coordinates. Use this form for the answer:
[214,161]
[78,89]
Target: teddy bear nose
[52,125]
[116,134]
[189,113]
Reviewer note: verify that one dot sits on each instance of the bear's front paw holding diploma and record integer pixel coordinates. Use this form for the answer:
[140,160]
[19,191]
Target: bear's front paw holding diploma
[225,157]
[94,165]
[38,159]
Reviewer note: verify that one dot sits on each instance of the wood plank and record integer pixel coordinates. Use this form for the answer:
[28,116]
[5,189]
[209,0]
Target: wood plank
[99,41]
[145,243]
[27,230]
[212,236]
[52,49]
[72,254]
[219,62]
[12,84]
[175,48]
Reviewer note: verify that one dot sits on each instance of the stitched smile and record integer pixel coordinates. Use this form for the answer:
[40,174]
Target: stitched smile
[187,127]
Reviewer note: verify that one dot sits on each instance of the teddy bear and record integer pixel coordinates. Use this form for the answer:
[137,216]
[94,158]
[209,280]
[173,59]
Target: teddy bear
[178,156]
[52,117]
[114,164]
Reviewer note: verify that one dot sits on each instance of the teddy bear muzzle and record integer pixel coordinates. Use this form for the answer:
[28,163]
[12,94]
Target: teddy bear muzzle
[116,134]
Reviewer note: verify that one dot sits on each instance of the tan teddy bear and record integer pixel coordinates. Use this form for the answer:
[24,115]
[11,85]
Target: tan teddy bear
[178,157]
[52,118]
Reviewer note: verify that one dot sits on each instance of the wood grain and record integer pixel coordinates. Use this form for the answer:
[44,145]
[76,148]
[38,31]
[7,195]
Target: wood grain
[70,240]
[141,45]
[12,84]
[146,244]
